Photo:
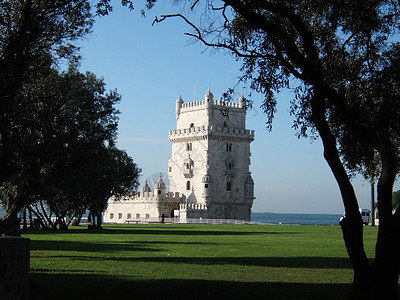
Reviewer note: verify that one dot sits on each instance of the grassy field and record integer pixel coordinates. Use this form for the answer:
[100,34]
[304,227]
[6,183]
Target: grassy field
[182,261]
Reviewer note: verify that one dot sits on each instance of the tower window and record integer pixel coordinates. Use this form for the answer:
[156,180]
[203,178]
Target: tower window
[188,185]
[206,185]
[228,147]
[189,147]
[191,125]
[228,186]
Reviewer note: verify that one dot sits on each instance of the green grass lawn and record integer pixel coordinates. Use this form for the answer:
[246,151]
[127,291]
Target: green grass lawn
[182,261]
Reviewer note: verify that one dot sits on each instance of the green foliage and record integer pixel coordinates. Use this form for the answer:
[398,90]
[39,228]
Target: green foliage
[197,261]
[30,30]
[116,175]
[63,119]
[55,127]
[74,121]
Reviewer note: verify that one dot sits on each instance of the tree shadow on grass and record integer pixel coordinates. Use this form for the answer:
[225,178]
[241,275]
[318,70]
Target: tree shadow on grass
[275,262]
[106,247]
[89,286]
[160,230]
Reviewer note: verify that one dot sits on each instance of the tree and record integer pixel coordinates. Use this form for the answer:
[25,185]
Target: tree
[33,35]
[59,204]
[62,124]
[115,176]
[344,61]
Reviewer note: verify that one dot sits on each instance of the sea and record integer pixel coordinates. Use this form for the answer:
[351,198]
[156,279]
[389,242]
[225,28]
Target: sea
[285,218]
[295,219]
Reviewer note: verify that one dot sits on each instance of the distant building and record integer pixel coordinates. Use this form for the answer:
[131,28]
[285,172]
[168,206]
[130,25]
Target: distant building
[208,168]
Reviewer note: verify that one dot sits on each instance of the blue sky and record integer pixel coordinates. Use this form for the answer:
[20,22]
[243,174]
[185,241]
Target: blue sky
[151,65]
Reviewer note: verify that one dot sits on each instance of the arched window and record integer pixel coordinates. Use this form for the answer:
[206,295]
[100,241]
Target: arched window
[188,185]
[228,186]
[191,125]
[189,147]
[228,147]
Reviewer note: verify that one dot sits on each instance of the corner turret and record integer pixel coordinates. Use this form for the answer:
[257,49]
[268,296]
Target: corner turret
[249,187]
[207,184]
[209,98]
[242,102]
[179,103]
[159,188]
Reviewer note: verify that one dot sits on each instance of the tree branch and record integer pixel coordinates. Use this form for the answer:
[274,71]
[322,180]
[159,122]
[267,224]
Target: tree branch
[200,37]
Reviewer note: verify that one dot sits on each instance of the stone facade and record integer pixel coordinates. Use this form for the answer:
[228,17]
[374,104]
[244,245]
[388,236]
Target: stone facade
[209,167]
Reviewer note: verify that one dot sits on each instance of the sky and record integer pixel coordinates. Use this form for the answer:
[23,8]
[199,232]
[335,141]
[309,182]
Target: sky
[150,66]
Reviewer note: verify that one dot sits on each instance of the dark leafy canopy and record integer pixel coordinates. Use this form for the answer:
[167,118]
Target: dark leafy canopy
[33,28]
[62,123]
[86,188]
[69,112]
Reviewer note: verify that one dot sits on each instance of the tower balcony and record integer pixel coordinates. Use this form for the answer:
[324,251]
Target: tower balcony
[188,173]
[204,132]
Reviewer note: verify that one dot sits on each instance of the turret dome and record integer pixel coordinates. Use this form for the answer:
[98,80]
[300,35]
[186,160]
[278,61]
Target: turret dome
[160,185]
[145,188]
[242,101]
[209,96]
[179,100]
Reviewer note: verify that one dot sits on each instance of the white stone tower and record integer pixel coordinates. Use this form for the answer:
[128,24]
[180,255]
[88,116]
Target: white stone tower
[210,158]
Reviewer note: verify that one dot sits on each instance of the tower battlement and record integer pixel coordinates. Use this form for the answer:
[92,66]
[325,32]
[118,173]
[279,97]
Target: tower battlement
[208,131]
[202,103]
[148,197]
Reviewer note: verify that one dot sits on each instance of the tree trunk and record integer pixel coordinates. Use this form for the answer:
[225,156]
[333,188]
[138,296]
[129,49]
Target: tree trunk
[9,223]
[24,223]
[98,224]
[385,268]
[351,225]
[39,216]
[30,217]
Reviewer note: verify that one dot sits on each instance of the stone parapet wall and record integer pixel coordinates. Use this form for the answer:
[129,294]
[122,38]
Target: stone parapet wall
[207,131]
